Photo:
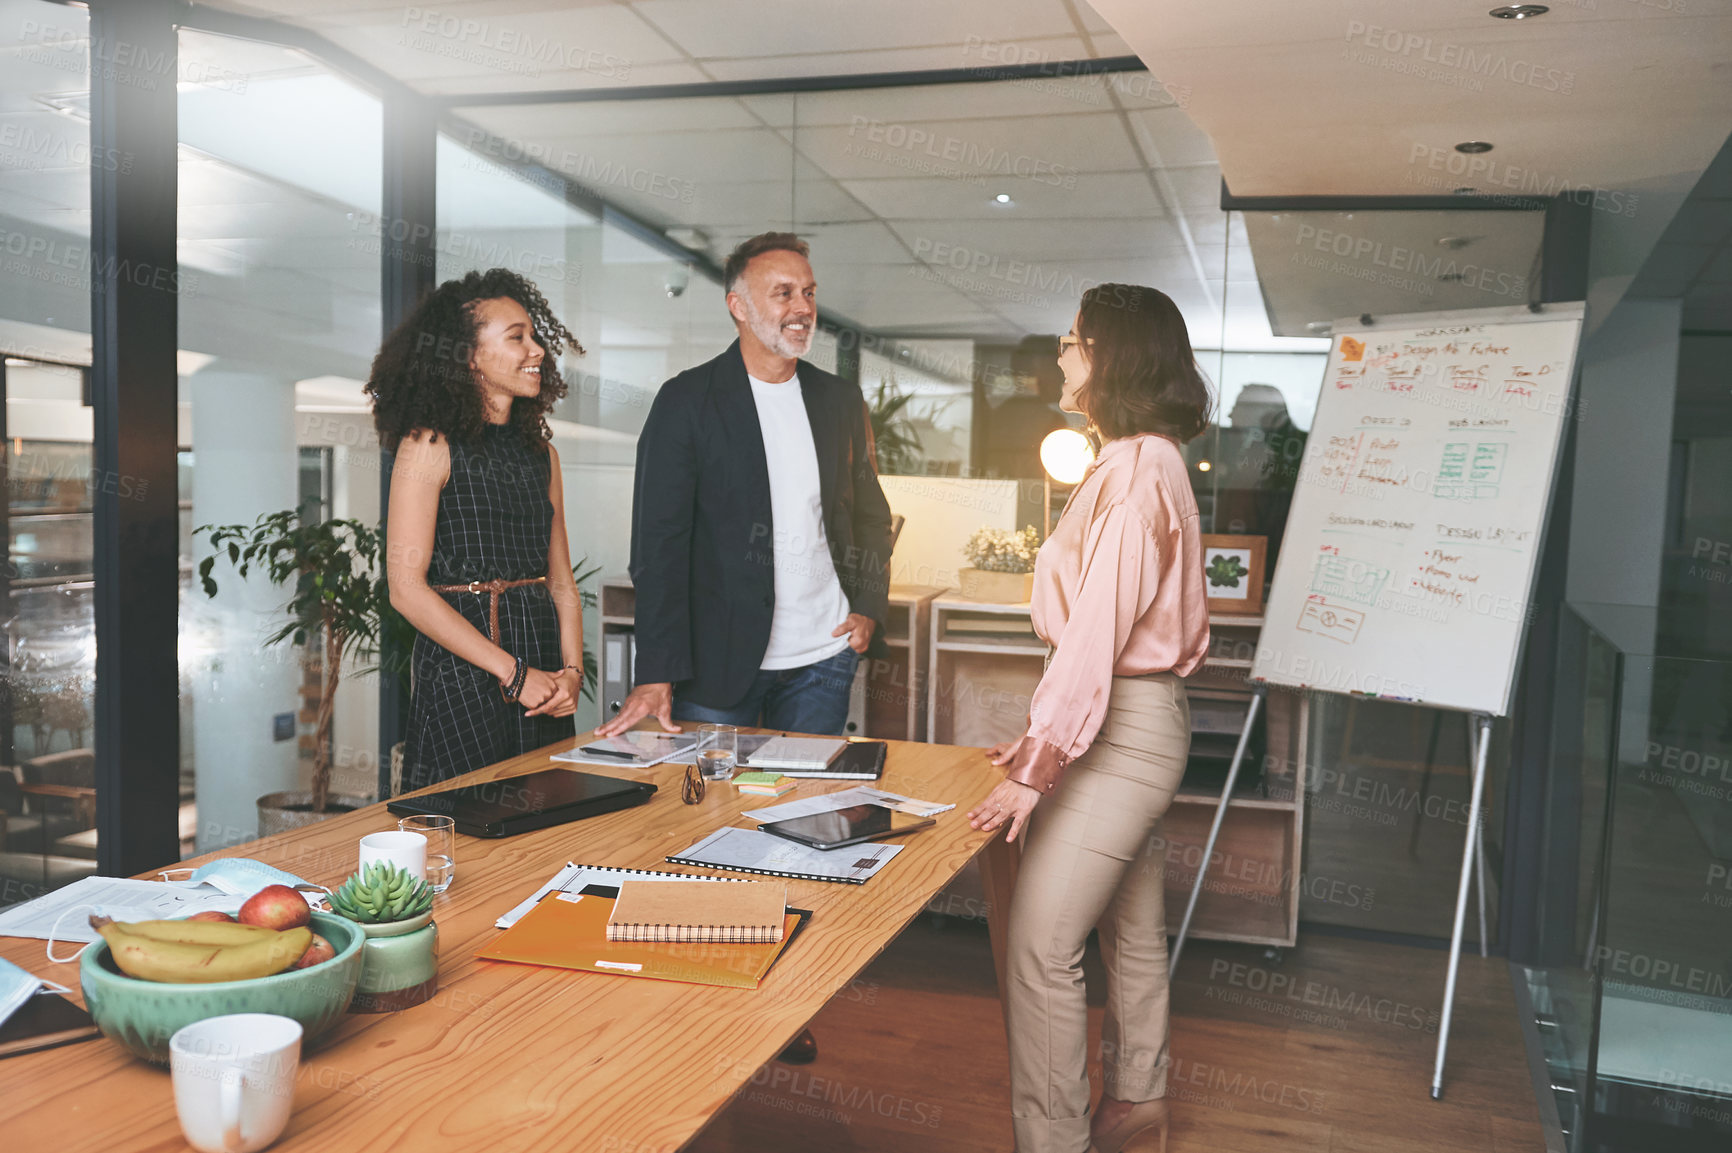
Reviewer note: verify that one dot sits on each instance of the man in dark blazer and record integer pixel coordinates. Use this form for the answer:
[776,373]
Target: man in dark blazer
[761,539]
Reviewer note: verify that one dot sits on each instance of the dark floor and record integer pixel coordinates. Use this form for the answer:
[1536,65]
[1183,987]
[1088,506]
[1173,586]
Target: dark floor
[1329,1049]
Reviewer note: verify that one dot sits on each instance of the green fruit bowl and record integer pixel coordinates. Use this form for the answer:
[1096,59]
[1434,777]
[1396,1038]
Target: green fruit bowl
[143,1015]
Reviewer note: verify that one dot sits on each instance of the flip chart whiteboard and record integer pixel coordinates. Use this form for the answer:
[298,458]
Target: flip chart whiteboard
[1408,563]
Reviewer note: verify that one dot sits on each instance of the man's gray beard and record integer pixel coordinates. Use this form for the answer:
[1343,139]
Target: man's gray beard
[772,337]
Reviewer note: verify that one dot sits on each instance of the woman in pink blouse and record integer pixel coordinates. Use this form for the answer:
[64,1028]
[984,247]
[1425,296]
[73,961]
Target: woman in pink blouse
[1118,594]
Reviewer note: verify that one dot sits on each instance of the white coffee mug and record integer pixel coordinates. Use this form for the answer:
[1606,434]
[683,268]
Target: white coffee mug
[408,851]
[234,1080]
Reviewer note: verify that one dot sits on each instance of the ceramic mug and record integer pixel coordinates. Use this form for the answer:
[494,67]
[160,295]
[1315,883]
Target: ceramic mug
[408,851]
[234,1080]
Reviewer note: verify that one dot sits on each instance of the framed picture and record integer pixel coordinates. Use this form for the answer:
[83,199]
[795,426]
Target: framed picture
[1233,573]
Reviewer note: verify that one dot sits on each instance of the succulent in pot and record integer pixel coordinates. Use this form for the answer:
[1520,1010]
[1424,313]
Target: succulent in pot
[399,959]
[380,894]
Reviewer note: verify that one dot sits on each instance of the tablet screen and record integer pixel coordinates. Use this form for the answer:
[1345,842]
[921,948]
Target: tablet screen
[846,826]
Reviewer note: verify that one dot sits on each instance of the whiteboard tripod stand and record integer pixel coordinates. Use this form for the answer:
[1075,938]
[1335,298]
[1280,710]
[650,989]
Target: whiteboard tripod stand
[1473,857]
[1472,851]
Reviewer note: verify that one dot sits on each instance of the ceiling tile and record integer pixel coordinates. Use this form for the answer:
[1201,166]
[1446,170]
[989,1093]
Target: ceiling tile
[489,48]
[1198,188]
[1010,153]
[610,118]
[997,100]
[959,54]
[1045,241]
[1091,196]
[1170,139]
[709,29]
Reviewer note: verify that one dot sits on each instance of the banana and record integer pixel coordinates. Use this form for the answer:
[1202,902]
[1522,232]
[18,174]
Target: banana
[197,932]
[185,963]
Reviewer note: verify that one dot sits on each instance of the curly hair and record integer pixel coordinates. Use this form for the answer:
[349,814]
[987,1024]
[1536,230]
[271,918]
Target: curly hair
[1143,376]
[421,378]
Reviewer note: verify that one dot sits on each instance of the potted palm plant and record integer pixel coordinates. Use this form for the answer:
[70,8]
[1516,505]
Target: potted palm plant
[339,608]
[894,439]
[342,605]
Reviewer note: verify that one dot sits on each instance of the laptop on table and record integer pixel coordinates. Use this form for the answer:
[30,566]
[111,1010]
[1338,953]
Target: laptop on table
[513,805]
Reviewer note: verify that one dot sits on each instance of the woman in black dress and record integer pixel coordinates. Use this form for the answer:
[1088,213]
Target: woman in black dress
[477,558]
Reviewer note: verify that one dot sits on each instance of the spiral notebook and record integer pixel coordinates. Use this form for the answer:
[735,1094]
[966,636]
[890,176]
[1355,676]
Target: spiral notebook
[569,931]
[749,913]
[574,877]
[749,851]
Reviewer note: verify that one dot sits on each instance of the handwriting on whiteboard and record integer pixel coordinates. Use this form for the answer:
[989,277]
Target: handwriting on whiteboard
[1411,540]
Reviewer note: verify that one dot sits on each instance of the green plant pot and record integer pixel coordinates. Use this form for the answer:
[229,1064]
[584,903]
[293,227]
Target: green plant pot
[143,1015]
[399,965]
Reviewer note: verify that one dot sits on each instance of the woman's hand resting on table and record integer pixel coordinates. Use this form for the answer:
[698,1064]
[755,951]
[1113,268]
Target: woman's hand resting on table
[1008,801]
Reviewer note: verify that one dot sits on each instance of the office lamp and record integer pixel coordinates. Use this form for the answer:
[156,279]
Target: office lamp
[1065,456]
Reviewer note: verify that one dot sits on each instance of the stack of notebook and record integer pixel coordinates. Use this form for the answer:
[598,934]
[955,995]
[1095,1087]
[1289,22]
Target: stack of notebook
[801,754]
[764,784]
[576,931]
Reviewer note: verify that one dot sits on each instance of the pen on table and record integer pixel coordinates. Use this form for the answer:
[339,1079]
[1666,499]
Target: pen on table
[610,753]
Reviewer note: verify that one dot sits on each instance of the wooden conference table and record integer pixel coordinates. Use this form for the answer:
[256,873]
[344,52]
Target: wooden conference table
[519,1057]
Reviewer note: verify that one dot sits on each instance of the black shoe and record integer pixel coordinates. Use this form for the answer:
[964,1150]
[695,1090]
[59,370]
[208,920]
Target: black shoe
[802,1050]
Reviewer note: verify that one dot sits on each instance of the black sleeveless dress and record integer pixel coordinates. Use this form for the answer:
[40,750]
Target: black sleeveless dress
[495,521]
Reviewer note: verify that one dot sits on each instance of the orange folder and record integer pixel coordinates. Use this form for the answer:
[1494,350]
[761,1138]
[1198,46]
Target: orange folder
[568,931]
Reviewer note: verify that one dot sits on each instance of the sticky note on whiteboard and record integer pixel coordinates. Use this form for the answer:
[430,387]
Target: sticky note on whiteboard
[1352,351]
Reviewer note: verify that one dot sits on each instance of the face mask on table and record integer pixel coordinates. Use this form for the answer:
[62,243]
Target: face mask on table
[17,986]
[243,876]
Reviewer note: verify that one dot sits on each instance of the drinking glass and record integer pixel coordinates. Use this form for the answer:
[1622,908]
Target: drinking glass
[441,834]
[717,748]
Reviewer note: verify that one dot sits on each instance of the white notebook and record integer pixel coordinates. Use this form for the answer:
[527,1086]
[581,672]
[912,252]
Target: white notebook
[749,851]
[807,753]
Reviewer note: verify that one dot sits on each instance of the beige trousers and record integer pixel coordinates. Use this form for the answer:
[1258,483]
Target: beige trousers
[1091,857]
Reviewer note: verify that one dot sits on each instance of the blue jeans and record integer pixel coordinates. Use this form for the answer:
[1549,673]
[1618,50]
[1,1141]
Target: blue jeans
[812,699]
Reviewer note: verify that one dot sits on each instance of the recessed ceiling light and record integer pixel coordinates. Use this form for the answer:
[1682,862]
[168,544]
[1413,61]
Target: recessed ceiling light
[1203,466]
[1002,198]
[1472,147]
[1519,11]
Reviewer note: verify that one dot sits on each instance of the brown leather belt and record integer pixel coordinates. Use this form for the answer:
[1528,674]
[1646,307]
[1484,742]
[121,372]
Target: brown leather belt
[494,587]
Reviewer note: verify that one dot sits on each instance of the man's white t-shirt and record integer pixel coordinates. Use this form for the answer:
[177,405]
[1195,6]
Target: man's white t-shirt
[810,603]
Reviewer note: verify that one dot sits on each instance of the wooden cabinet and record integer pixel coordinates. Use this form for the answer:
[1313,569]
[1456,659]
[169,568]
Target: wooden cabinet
[616,663]
[985,664]
[895,685]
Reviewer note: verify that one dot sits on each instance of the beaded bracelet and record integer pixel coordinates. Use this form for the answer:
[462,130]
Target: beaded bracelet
[519,673]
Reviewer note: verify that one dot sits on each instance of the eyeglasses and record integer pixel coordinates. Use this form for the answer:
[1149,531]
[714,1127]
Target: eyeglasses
[692,790]
[1070,341]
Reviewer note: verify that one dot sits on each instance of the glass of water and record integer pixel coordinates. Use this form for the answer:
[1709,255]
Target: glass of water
[441,834]
[717,747]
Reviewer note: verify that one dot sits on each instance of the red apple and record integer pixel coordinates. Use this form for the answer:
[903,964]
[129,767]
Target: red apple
[211,915]
[276,907]
[318,952]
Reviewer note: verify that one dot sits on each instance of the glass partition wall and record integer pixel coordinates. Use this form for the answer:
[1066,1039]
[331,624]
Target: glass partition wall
[1632,991]
[280,241]
[48,831]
